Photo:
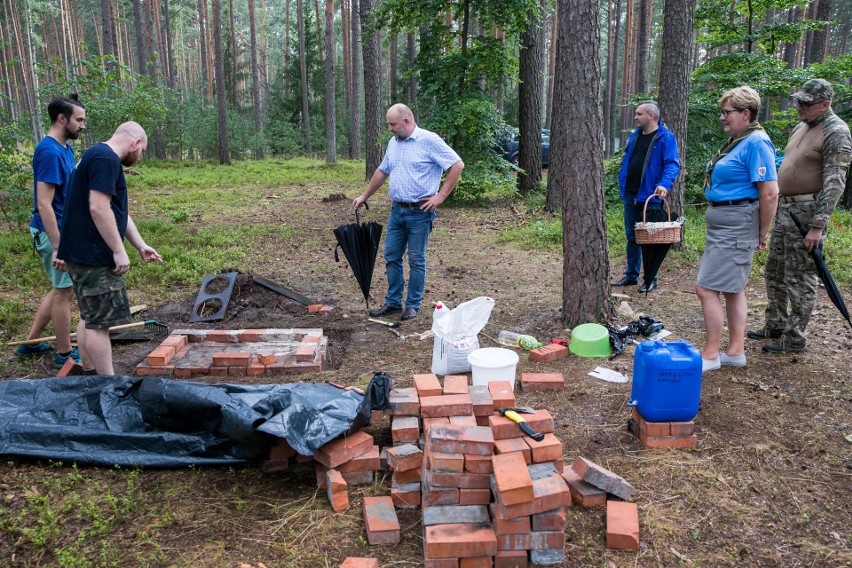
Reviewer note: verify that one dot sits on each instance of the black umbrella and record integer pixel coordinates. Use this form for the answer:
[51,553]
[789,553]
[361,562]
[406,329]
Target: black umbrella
[360,243]
[653,254]
[822,269]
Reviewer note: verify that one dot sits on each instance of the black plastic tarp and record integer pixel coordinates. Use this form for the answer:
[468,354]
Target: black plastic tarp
[154,422]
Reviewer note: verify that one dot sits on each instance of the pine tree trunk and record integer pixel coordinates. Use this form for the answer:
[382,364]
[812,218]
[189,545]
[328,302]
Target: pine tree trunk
[141,47]
[170,52]
[303,72]
[345,31]
[627,63]
[643,45]
[202,42]
[679,17]
[576,171]
[232,92]
[392,78]
[551,67]
[255,78]
[613,23]
[221,102]
[286,50]
[372,90]
[108,28]
[355,110]
[819,47]
[529,103]
[412,78]
[808,38]
[330,90]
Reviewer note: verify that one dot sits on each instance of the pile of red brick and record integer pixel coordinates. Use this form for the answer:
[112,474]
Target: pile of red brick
[662,434]
[236,352]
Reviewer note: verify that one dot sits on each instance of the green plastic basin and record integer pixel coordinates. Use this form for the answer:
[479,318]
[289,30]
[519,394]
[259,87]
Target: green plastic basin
[590,340]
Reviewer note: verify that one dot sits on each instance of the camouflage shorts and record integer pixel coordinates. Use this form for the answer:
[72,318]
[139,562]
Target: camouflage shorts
[101,295]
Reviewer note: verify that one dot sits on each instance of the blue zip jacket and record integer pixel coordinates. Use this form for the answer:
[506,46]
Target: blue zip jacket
[661,164]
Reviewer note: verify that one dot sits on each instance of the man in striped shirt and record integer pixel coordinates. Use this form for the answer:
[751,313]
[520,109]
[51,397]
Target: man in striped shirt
[414,161]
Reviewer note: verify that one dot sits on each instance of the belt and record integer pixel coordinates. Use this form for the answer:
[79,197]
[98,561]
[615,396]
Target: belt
[798,198]
[731,202]
[407,203]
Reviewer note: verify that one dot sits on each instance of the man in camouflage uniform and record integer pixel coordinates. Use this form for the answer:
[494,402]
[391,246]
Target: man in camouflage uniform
[811,180]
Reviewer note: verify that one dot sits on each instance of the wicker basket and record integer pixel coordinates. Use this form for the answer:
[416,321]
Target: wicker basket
[657,233]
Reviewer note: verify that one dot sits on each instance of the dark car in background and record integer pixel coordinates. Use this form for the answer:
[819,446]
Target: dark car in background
[509,147]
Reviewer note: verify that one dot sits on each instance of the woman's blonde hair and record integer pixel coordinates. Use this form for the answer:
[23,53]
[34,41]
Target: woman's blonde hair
[742,98]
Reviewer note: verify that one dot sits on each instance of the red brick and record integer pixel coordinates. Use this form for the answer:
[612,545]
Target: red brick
[406,495]
[482,421]
[376,416]
[475,562]
[550,493]
[360,562]
[249,335]
[446,405]
[622,525]
[161,356]
[341,450]
[459,541]
[439,496]
[182,372]
[459,480]
[306,352]
[218,371]
[405,430]
[463,420]
[281,450]
[602,478]
[483,405]
[221,336]
[511,559]
[405,402]
[502,395]
[404,457]
[582,493]
[452,439]
[71,368]
[231,359]
[454,515]
[512,526]
[559,465]
[274,466]
[474,496]
[380,520]
[547,353]
[455,384]
[549,449]
[509,445]
[410,476]
[478,464]
[549,521]
[428,422]
[535,382]
[314,308]
[504,428]
[368,461]
[441,563]
[531,541]
[668,441]
[512,479]
[354,478]
[427,384]
[337,490]
[254,369]
[176,341]
[682,428]
[266,357]
[439,461]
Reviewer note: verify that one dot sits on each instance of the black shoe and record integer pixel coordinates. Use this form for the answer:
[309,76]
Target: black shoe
[762,334]
[409,313]
[625,282]
[783,346]
[645,288]
[384,310]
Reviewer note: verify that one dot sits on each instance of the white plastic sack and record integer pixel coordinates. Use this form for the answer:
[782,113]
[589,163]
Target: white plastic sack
[455,335]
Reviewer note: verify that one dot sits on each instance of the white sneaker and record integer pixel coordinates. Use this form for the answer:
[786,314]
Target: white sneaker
[710,364]
[732,360]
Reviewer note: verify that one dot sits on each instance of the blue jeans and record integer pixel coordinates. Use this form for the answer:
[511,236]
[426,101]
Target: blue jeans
[633,210]
[408,228]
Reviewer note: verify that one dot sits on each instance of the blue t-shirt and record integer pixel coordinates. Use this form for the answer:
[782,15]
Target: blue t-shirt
[735,175]
[81,243]
[52,163]
[415,165]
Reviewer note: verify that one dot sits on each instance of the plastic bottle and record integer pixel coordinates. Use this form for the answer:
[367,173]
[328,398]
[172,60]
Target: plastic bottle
[512,339]
[440,311]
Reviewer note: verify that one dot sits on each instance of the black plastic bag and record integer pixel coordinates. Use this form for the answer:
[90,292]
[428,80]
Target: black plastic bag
[619,338]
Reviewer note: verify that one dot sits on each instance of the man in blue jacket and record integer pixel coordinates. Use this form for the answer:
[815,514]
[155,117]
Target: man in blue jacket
[650,167]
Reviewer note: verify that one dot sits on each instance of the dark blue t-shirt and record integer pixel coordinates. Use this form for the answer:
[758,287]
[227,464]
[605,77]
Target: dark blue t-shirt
[52,163]
[81,243]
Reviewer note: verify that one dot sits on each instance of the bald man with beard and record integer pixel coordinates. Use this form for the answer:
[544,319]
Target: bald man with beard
[92,240]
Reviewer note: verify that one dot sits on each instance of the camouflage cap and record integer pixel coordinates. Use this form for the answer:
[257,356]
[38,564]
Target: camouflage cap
[814,90]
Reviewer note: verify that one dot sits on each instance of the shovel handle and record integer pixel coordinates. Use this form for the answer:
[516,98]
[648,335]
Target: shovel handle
[73,335]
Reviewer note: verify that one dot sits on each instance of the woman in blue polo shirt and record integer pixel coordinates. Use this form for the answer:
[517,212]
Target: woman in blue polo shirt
[742,192]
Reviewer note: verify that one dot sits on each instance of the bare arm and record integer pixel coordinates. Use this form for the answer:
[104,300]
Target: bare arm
[768,205]
[102,215]
[147,253]
[450,181]
[45,192]
[376,182]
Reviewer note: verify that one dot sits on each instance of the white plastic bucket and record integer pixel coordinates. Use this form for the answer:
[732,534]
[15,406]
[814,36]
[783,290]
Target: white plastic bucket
[492,364]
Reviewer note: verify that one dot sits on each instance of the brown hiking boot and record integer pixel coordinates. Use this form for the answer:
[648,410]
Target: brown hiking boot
[784,346]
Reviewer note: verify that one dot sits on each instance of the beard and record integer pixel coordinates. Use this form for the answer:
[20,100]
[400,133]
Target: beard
[72,134]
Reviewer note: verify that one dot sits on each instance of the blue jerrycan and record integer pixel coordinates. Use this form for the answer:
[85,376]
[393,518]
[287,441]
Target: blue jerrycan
[666,381]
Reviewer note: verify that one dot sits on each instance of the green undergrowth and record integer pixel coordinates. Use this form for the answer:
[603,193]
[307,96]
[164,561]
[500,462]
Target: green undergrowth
[545,232]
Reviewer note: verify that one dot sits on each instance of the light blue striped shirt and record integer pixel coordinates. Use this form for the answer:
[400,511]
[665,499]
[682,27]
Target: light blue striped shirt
[415,165]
